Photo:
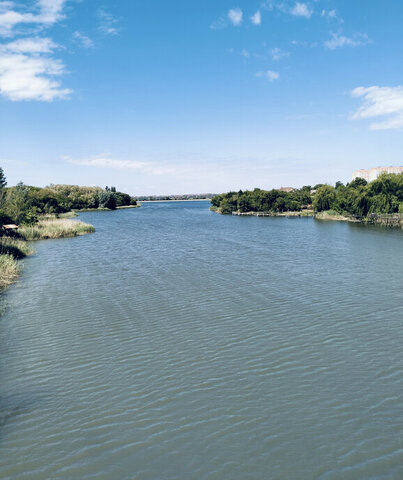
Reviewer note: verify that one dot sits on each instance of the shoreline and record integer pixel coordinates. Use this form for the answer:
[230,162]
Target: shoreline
[15,248]
[101,209]
[164,201]
[391,220]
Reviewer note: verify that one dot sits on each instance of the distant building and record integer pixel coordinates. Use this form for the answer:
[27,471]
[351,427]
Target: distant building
[373,174]
[286,189]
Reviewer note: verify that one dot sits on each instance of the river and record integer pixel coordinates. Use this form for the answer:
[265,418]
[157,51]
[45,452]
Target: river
[178,344]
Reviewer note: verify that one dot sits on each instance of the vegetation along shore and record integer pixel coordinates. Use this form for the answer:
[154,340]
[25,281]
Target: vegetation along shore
[377,202]
[31,213]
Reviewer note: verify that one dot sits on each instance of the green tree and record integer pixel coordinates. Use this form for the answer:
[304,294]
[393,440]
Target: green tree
[3,181]
[324,198]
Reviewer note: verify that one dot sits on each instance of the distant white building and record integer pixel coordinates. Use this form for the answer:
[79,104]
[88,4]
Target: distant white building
[373,174]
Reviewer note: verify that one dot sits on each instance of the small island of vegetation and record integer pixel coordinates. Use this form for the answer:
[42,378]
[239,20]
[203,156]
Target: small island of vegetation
[380,201]
[31,213]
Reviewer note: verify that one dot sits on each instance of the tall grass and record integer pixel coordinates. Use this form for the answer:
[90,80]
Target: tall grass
[55,228]
[8,270]
[15,247]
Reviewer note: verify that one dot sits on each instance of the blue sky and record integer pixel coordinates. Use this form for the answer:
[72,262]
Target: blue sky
[184,96]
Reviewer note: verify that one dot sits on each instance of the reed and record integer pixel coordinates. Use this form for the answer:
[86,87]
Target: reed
[55,228]
[8,270]
[15,247]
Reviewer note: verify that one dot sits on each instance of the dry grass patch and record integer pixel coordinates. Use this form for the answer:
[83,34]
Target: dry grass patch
[55,228]
[8,270]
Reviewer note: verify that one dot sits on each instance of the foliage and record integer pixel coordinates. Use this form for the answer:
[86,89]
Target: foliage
[356,199]
[360,199]
[107,199]
[262,201]
[324,198]
[3,181]
[24,204]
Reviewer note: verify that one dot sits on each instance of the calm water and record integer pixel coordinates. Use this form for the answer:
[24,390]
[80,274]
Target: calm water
[178,344]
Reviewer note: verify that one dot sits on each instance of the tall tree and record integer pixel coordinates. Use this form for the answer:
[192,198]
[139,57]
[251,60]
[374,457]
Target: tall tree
[3,181]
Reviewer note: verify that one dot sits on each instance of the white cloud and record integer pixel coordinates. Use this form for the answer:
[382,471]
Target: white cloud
[269,75]
[29,45]
[278,54]
[380,102]
[256,19]
[329,13]
[339,41]
[51,10]
[245,53]
[105,161]
[30,77]
[27,70]
[235,15]
[301,10]
[46,13]
[84,41]
[107,23]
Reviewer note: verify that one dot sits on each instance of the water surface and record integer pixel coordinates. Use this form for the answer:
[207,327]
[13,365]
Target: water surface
[178,344]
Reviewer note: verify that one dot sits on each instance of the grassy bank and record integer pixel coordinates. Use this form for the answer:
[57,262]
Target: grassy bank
[332,215]
[13,249]
[9,270]
[55,228]
[302,213]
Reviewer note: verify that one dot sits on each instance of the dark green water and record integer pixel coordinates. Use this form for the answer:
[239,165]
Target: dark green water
[178,344]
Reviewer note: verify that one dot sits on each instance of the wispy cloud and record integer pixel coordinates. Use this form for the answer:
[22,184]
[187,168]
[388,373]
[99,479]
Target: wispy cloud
[339,41]
[83,40]
[301,10]
[329,13]
[28,73]
[380,102]
[278,53]
[107,23]
[235,16]
[256,18]
[105,161]
[269,75]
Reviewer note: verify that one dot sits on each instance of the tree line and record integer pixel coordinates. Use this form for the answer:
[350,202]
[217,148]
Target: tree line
[258,200]
[23,204]
[357,198]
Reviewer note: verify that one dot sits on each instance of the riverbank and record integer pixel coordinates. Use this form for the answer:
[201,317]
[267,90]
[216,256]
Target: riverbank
[393,220]
[14,248]
[101,209]
[331,215]
[302,213]
[173,200]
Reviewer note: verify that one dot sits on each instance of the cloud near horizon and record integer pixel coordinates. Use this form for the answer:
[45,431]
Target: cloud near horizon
[105,161]
[380,102]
